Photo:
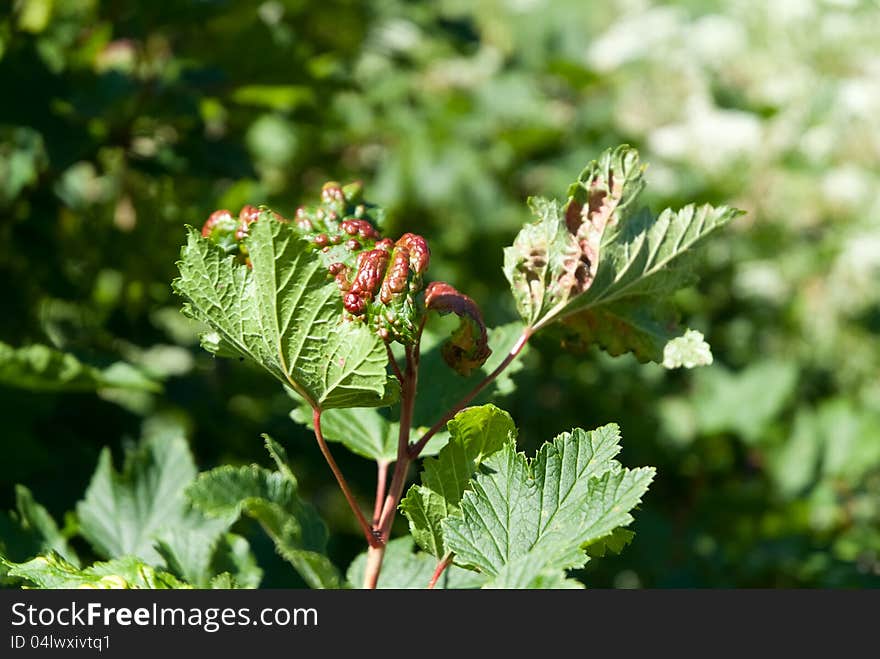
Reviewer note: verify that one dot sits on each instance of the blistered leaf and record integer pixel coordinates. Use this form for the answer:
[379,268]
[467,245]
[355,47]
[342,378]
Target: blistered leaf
[542,263]
[556,259]
[602,266]
[284,314]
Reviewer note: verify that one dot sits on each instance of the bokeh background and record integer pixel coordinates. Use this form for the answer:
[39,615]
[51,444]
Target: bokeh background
[123,121]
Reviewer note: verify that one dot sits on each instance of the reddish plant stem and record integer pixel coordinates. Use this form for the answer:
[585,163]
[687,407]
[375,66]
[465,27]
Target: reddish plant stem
[417,448]
[367,529]
[442,564]
[394,365]
[398,479]
[382,529]
[381,482]
[375,554]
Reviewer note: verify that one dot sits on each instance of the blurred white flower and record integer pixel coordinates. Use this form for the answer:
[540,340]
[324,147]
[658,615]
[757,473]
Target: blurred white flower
[399,35]
[789,11]
[715,38]
[634,37]
[762,280]
[847,185]
[859,97]
[710,136]
[817,143]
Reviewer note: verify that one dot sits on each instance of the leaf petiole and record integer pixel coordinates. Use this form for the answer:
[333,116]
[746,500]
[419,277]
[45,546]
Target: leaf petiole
[442,564]
[372,539]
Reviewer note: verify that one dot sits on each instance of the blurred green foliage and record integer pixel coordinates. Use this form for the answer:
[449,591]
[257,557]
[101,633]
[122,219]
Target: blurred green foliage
[123,121]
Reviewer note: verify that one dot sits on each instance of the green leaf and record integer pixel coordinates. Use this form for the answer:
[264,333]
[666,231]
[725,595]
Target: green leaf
[285,315]
[34,517]
[640,257]
[604,267]
[235,558]
[270,497]
[124,513]
[720,397]
[571,495]
[474,434]
[363,431]
[614,543]
[189,546]
[404,568]
[530,571]
[41,368]
[22,159]
[30,530]
[52,571]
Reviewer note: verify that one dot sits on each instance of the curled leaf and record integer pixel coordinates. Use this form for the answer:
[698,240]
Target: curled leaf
[468,346]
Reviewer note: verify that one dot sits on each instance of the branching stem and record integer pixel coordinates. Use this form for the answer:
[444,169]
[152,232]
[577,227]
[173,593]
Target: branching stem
[407,452]
[382,529]
[416,449]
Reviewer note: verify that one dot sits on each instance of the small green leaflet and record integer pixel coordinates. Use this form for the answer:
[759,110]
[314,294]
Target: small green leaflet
[549,509]
[600,269]
[474,434]
[41,368]
[286,315]
[271,498]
